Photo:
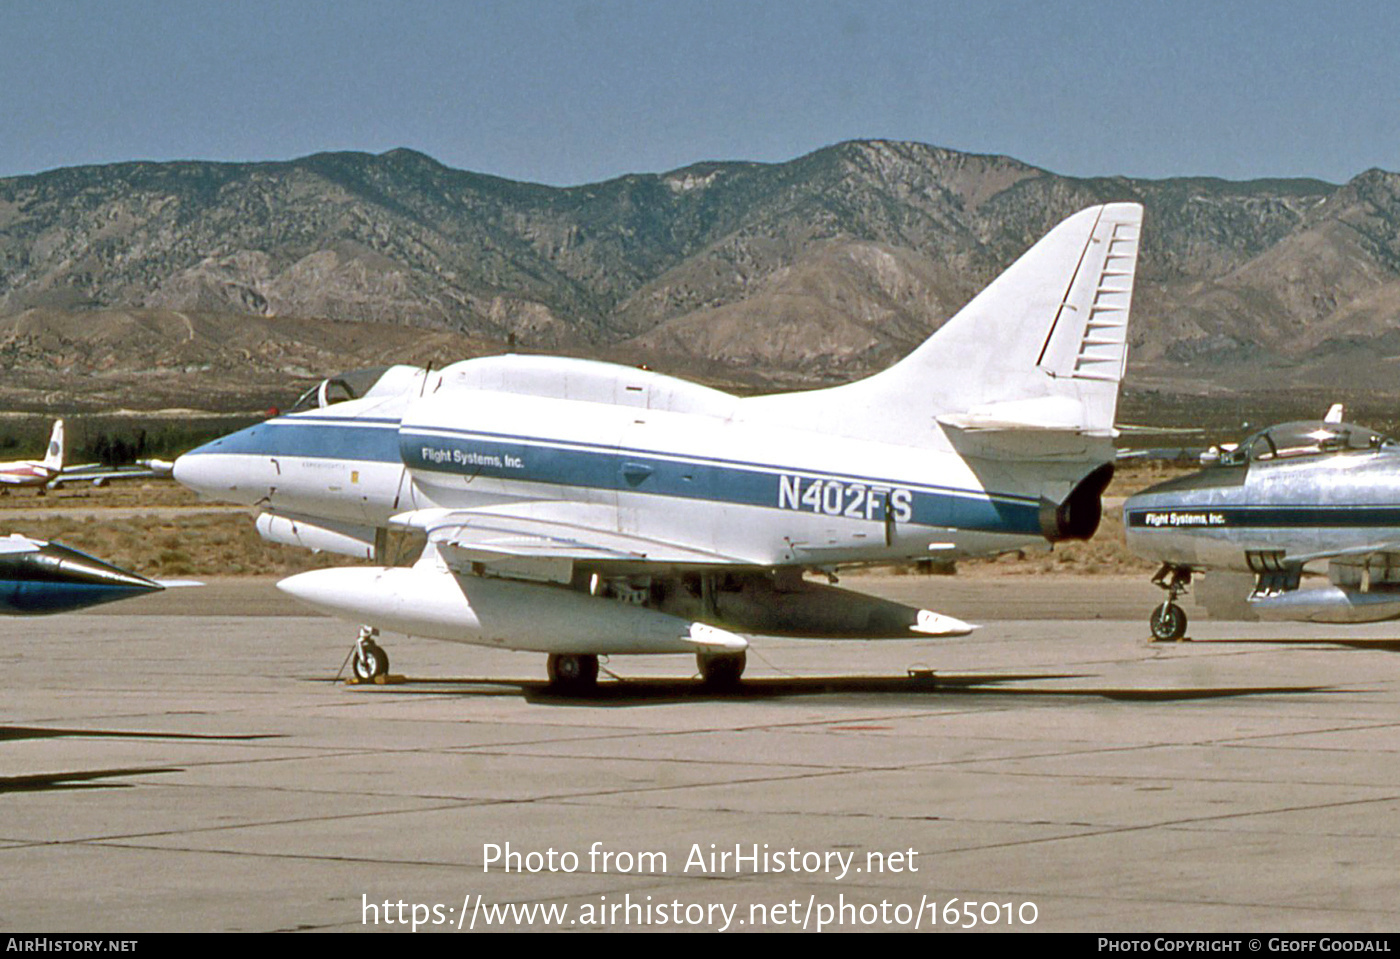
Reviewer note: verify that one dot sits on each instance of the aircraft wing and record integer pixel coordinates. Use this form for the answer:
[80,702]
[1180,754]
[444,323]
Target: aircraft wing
[1353,554]
[545,548]
[490,537]
[100,475]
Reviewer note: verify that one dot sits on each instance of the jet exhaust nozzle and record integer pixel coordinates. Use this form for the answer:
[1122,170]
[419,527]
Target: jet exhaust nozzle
[1079,515]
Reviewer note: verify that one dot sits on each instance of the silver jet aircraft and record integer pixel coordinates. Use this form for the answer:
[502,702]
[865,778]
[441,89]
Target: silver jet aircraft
[580,509]
[1299,493]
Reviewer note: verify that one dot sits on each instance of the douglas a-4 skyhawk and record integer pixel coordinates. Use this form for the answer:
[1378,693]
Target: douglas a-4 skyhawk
[580,509]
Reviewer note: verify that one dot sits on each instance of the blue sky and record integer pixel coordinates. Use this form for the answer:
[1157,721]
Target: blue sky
[573,91]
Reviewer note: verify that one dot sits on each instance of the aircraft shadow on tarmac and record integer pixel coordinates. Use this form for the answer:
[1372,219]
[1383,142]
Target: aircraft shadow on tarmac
[1379,645]
[52,732]
[94,778]
[79,779]
[662,691]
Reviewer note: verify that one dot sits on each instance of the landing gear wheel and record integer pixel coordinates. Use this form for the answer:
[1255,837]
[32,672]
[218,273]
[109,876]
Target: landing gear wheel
[369,660]
[721,670]
[1168,623]
[573,673]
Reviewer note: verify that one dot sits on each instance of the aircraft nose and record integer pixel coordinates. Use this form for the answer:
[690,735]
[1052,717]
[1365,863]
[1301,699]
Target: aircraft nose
[187,471]
[199,472]
[236,476]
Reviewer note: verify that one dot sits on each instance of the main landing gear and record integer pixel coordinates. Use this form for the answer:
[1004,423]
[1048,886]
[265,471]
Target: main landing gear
[721,670]
[573,673]
[1168,621]
[576,674]
[370,661]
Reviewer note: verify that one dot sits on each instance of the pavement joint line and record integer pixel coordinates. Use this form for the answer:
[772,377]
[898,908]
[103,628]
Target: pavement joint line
[1172,824]
[443,805]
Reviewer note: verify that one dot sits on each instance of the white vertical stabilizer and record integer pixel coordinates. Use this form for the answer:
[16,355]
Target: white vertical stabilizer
[53,457]
[1042,348]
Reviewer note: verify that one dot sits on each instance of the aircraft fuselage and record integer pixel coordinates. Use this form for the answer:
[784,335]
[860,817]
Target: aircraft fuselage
[574,441]
[1237,517]
[1293,495]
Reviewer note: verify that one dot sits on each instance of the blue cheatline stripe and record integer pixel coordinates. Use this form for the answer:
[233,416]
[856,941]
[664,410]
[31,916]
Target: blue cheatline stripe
[316,439]
[597,466]
[1264,517]
[535,442]
[714,481]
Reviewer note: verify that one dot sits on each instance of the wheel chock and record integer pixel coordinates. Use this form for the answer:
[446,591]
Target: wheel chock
[389,679]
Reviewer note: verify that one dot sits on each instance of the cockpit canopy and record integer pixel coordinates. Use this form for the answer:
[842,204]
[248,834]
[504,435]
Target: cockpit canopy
[358,384]
[1304,438]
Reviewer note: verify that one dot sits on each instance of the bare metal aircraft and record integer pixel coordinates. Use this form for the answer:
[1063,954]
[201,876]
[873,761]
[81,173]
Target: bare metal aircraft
[1310,492]
[581,509]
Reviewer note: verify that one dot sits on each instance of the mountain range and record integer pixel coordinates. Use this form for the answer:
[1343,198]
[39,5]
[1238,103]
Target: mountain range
[817,270]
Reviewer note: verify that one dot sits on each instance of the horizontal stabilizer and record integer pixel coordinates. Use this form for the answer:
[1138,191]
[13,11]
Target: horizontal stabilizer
[1055,414]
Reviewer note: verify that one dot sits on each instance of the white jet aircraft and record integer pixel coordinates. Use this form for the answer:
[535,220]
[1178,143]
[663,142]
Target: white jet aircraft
[36,472]
[580,509]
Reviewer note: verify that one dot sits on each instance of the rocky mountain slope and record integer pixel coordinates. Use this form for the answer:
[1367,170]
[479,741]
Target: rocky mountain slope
[819,269]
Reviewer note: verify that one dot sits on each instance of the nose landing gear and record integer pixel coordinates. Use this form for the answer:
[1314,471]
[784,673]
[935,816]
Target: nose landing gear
[370,661]
[1168,621]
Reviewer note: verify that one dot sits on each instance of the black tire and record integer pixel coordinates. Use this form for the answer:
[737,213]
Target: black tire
[721,670]
[573,673]
[370,662]
[1168,623]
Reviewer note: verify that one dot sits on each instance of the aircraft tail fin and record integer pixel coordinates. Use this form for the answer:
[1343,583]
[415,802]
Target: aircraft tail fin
[1045,345]
[1040,350]
[53,457]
